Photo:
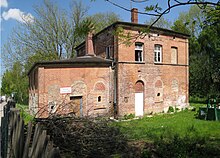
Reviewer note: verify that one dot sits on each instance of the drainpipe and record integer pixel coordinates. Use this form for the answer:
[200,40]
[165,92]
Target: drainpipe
[115,77]
[115,91]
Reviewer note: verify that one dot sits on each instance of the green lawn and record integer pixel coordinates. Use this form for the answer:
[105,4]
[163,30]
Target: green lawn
[174,135]
[182,123]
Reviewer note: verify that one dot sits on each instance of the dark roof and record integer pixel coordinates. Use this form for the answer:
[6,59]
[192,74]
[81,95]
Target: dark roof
[83,61]
[138,27]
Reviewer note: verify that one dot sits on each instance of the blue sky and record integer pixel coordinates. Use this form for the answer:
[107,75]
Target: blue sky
[12,9]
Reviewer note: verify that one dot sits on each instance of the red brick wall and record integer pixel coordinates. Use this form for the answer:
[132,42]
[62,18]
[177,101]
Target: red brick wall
[83,81]
[165,84]
[173,78]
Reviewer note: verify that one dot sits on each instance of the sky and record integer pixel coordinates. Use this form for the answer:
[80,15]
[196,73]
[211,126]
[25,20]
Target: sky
[12,10]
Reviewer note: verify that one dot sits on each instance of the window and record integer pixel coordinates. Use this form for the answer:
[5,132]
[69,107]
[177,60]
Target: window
[157,53]
[174,53]
[139,52]
[108,52]
[99,98]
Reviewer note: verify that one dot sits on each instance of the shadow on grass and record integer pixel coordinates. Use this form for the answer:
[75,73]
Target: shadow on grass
[187,146]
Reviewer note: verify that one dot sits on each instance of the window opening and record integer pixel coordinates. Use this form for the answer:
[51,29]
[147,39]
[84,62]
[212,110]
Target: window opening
[138,51]
[157,53]
[99,98]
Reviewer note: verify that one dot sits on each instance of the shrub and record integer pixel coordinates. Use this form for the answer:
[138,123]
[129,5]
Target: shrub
[171,109]
[129,116]
[198,99]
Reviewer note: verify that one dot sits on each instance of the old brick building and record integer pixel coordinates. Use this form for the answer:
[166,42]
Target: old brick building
[120,70]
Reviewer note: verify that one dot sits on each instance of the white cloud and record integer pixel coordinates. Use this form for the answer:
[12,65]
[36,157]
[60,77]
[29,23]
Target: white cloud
[18,15]
[3,3]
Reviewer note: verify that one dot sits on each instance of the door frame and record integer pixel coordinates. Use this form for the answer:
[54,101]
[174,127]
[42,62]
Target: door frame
[81,103]
[139,94]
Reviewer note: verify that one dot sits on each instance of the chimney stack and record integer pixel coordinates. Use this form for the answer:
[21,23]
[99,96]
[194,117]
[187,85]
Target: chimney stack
[134,15]
[89,44]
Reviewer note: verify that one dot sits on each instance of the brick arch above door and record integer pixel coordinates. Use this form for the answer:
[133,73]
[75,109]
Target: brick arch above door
[139,86]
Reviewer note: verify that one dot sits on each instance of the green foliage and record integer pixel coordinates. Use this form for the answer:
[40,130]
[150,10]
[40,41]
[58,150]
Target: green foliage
[161,23]
[198,99]
[128,116]
[190,22]
[16,81]
[24,113]
[171,109]
[204,48]
[52,35]
[102,20]
[153,8]
[179,26]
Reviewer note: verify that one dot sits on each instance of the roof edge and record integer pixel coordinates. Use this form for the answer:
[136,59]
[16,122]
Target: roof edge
[152,28]
[74,61]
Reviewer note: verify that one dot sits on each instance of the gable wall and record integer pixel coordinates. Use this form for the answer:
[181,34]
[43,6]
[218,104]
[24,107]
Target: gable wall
[173,77]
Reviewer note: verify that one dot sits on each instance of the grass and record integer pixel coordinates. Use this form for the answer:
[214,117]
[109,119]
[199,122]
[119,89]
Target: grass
[181,123]
[180,132]
[24,113]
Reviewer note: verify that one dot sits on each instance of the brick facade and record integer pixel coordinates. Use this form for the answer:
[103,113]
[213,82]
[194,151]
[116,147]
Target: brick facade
[114,75]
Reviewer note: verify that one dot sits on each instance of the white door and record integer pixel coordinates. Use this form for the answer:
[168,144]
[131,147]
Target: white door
[139,104]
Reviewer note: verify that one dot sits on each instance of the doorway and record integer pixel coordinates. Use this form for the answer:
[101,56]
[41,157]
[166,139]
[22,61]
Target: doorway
[76,106]
[139,98]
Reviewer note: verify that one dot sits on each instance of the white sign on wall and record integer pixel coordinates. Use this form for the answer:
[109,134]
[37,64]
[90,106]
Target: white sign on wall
[65,90]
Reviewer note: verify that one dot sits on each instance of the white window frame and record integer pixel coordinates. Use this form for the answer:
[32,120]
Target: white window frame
[140,51]
[158,53]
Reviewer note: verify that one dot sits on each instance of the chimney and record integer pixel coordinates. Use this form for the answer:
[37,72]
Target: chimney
[89,44]
[134,15]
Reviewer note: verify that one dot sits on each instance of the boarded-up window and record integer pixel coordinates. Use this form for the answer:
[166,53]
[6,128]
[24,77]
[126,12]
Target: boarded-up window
[158,84]
[139,87]
[174,54]
[99,86]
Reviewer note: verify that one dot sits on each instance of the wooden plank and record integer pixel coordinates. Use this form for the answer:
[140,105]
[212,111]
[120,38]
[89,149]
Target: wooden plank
[54,153]
[37,132]
[28,140]
[41,144]
[49,147]
[14,137]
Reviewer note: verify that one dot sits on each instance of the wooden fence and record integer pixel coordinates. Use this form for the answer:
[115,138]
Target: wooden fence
[20,143]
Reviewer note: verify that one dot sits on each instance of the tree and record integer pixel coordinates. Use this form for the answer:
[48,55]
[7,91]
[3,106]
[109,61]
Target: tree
[179,26]
[50,35]
[16,81]
[191,20]
[157,11]
[102,20]
[161,23]
[204,64]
